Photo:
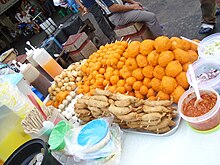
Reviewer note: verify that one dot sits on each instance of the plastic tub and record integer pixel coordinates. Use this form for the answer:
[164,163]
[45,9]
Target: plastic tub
[203,66]
[25,153]
[45,132]
[212,43]
[204,122]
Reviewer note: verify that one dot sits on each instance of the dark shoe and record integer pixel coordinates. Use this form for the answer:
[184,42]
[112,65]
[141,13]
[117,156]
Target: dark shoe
[206,28]
[217,12]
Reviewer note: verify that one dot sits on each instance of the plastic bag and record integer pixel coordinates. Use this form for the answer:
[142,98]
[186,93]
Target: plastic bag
[14,99]
[95,151]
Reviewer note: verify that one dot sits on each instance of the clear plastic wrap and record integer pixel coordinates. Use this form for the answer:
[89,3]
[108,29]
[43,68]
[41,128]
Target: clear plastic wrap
[106,150]
[14,99]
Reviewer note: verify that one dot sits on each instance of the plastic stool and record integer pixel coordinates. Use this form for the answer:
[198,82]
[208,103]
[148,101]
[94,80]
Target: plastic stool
[51,39]
[69,11]
[62,13]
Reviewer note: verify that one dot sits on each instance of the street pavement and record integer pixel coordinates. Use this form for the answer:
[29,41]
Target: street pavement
[177,17]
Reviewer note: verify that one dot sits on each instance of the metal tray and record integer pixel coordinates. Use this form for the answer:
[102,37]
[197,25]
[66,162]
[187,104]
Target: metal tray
[177,120]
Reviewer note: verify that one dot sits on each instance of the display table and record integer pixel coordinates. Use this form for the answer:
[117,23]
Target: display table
[184,147]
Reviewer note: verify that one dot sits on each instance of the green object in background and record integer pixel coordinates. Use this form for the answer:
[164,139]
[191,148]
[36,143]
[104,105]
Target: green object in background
[56,139]
[62,13]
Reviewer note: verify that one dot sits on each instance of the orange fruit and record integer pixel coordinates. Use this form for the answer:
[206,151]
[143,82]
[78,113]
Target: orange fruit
[143,90]
[112,88]
[120,64]
[99,81]
[99,76]
[133,48]
[109,69]
[86,88]
[137,73]
[137,85]
[128,87]
[131,64]
[124,44]
[139,95]
[121,90]
[123,59]
[106,82]
[146,82]
[146,47]
[150,92]
[130,80]
[108,75]
[101,70]
[114,80]
[121,83]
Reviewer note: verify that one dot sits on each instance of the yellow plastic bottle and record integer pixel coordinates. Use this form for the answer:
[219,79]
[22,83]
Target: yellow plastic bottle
[11,132]
[44,59]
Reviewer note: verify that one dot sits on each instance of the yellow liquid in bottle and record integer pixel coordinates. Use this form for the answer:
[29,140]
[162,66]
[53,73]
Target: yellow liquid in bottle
[14,139]
[52,68]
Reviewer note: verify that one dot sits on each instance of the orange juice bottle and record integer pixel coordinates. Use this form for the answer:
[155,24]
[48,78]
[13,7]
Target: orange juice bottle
[44,59]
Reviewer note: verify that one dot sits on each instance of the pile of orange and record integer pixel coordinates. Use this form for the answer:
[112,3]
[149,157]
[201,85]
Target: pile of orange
[153,69]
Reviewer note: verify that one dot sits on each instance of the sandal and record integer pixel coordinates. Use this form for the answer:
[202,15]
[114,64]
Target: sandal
[217,12]
[206,28]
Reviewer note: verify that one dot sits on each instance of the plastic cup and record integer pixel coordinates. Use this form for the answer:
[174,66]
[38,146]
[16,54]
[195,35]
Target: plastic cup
[45,132]
[209,43]
[204,66]
[56,140]
[204,122]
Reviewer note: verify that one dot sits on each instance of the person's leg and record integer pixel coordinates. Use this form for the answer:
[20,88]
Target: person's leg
[217,7]
[208,11]
[104,26]
[208,16]
[138,16]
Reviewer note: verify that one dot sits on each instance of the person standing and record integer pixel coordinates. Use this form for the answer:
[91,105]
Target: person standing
[48,6]
[208,8]
[93,7]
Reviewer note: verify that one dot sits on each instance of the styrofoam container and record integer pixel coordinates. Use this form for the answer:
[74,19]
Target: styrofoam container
[204,122]
[211,43]
[203,66]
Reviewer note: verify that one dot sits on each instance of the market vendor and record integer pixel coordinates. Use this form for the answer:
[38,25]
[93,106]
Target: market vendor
[122,13]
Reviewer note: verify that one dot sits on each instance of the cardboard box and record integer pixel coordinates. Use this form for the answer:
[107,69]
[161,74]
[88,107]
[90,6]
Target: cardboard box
[141,35]
[128,29]
[83,52]
[74,42]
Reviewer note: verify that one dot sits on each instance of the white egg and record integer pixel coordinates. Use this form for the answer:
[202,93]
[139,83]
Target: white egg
[65,102]
[72,94]
[61,106]
[69,98]
[59,110]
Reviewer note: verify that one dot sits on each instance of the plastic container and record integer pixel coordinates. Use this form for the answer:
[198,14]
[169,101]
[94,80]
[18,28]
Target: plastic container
[23,86]
[30,54]
[35,78]
[44,59]
[44,133]
[212,43]
[11,132]
[205,122]
[25,153]
[11,96]
[203,66]
[56,140]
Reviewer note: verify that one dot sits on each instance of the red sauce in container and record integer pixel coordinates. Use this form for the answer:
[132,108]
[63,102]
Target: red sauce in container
[208,102]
